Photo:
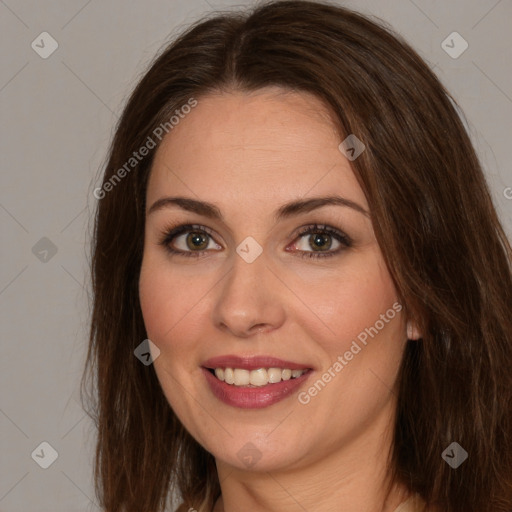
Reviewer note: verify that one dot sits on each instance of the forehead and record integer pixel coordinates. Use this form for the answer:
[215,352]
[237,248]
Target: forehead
[268,145]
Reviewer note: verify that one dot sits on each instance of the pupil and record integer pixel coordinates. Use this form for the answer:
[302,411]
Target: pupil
[197,240]
[320,241]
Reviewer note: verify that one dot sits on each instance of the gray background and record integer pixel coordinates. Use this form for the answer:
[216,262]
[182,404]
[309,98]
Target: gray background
[58,116]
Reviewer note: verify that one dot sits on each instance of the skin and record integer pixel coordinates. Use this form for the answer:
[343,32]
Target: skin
[249,154]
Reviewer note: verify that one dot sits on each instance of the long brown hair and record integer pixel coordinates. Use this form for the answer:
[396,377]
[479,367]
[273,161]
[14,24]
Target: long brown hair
[433,218]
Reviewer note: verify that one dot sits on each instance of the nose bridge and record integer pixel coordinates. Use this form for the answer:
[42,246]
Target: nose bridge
[248,296]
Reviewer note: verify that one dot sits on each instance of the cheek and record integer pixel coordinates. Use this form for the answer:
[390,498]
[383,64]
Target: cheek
[171,304]
[157,293]
[352,300]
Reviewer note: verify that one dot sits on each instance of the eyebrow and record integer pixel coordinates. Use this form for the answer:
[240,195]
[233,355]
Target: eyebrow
[287,210]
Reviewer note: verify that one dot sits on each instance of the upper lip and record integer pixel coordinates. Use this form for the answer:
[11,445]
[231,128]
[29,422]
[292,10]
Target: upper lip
[252,362]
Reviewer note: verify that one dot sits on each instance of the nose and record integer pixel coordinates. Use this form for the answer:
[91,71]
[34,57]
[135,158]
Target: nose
[250,299]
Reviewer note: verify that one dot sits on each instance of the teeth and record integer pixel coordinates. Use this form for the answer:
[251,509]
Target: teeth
[256,378]
[274,375]
[242,377]
[229,376]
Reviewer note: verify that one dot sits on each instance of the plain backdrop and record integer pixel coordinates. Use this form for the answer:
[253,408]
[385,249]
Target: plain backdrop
[58,115]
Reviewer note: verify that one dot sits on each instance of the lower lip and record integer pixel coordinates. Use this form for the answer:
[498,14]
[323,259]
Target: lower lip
[253,398]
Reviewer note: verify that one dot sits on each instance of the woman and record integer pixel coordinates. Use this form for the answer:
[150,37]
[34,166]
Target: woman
[294,229]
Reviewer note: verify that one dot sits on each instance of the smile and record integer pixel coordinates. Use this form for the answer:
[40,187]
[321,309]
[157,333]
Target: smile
[254,396]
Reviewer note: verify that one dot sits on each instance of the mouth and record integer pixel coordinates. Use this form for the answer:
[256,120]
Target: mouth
[253,382]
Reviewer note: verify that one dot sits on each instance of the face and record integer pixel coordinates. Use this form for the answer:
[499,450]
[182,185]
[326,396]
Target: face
[249,280]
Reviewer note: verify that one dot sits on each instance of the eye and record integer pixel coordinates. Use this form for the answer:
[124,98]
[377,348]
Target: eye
[195,240]
[319,238]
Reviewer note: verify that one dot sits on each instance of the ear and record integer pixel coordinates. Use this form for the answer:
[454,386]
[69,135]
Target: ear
[413,332]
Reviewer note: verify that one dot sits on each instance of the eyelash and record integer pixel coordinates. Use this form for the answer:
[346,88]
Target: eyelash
[171,232]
